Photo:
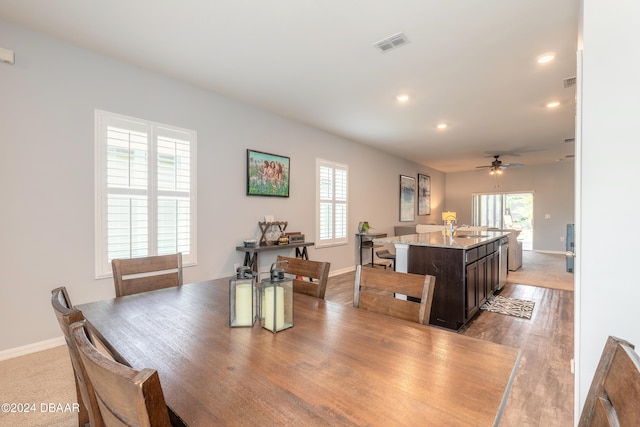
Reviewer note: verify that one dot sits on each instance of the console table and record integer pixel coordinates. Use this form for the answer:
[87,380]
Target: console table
[365,241]
[251,254]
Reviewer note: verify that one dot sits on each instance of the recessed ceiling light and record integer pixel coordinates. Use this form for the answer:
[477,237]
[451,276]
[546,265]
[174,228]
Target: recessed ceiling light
[547,57]
[553,104]
[442,125]
[402,97]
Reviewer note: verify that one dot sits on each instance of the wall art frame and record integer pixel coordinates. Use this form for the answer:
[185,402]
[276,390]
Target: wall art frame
[424,194]
[267,174]
[407,198]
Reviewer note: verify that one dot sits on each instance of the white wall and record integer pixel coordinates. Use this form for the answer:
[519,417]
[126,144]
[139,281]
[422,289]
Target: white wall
[553,188]
[47,176]
[46,179]
[609,290]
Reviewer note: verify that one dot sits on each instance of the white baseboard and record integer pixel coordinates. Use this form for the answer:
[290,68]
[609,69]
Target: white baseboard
[550,252]
[31,348]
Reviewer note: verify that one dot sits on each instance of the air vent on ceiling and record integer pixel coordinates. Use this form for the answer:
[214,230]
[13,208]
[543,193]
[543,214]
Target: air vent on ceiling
[569,140]
[569,82]
[391,42]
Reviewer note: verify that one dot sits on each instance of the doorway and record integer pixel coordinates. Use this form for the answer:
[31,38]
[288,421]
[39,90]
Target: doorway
[506,211]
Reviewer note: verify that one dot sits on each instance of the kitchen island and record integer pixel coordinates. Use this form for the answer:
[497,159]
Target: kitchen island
[467,268]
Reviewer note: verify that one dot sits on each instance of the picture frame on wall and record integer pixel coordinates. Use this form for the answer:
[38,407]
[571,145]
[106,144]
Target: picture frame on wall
[267,174]
[424,194]
[407,198]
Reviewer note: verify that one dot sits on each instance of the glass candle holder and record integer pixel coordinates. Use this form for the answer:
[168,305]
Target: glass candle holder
[242,298]
[276,296]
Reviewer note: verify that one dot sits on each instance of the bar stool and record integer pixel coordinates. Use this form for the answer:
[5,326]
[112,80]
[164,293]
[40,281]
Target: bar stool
[385,254]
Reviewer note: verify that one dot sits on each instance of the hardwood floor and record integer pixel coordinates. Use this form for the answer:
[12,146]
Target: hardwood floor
[542,392]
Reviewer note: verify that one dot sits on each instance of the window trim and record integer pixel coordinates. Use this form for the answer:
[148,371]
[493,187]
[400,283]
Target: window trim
[104,119]
[333,241]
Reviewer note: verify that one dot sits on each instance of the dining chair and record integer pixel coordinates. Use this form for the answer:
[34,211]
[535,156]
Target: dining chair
[317,273]
[614,396]
[135,275]
[67,315]
[403,295]
[125,396]
[385,254]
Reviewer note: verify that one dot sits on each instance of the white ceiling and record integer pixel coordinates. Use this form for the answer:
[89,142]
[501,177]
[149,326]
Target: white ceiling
[469,63]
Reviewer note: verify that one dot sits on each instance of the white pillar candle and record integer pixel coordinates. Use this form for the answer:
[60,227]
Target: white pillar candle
[244,299]
[269,308]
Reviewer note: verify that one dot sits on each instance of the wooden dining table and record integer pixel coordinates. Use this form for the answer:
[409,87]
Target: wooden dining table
[338,365]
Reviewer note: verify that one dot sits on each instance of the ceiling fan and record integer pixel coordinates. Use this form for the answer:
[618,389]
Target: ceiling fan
[497,167]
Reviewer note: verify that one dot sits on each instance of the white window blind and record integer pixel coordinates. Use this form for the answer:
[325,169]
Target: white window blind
[145,190]
[332,184]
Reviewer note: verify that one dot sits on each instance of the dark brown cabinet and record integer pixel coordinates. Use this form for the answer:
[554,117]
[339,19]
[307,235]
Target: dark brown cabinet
[493,272]
[482,281]
[477,283]
[465,278]
[472,290]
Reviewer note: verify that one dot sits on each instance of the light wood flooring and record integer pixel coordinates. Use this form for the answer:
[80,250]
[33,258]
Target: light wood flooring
[542,392]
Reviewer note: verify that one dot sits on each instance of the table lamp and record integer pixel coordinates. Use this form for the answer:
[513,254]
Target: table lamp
[448,218]
[276,299]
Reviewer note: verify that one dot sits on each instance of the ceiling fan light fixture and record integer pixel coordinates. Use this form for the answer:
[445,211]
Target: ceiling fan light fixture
[497,167]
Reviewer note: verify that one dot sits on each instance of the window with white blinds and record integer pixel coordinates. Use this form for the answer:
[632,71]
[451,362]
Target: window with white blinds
[145,190]
[332,185]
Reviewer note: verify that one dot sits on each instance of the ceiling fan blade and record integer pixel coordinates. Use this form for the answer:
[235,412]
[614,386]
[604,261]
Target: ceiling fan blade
[497,164]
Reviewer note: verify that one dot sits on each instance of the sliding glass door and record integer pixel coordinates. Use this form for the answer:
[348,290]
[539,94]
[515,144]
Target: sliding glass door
[506,211]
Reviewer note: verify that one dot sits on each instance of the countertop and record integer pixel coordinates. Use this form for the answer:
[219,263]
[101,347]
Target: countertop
[437,239]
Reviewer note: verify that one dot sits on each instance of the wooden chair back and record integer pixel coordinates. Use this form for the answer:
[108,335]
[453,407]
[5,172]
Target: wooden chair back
[316,271]
[376,290]
[66,315]
[614,396]
[135,275]
[125,396]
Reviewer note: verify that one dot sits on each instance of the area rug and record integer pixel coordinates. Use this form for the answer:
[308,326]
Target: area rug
[509,306]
